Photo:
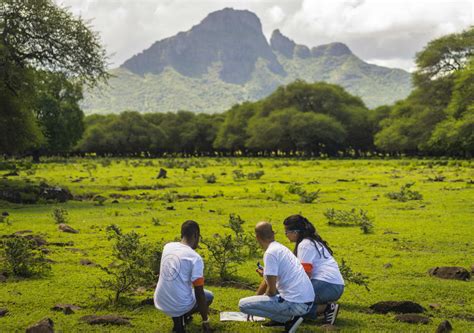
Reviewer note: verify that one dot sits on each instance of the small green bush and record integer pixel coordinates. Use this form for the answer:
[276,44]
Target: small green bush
[60,215]
[210,179]
[309,197]
[255,175]
[405,194]
[22,258]
[353,277]
[350,218]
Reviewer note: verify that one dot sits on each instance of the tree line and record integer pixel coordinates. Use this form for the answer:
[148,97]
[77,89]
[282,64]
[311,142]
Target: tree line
[47,56]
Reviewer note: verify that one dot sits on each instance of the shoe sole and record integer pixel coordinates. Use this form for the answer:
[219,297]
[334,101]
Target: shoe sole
[295,325]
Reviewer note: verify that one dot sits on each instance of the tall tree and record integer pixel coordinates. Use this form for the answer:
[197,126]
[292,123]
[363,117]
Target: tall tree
[39,35]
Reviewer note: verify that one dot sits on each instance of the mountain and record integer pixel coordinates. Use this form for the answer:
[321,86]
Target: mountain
[226,59]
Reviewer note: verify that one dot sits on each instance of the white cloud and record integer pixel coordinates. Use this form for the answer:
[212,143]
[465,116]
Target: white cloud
[383,30]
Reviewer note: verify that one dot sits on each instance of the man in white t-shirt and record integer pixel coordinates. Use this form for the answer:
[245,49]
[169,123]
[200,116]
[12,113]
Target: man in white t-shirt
[182,269]
[286,293]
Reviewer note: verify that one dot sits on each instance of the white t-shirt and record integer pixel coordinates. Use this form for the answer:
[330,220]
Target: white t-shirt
[292,282]
[180,267]
[322,269]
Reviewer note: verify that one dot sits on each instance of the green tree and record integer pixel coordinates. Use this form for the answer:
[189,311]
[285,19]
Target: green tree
[39,35]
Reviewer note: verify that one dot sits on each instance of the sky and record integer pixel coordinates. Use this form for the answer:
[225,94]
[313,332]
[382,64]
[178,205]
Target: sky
[382,32]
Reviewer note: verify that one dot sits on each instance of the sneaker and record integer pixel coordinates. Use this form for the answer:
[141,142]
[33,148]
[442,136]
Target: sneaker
[272,323]
[330,314]
[292,325]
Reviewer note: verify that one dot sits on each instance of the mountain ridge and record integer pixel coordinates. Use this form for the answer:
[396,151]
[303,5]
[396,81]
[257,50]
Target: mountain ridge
[226,59]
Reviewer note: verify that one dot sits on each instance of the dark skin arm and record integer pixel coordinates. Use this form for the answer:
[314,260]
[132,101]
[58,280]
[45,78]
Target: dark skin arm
[202,306]
[271,285]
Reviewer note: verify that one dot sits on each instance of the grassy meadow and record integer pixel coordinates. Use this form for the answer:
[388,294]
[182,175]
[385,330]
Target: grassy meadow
[412,236]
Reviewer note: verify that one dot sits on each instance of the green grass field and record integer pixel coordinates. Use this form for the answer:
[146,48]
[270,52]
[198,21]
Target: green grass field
[413,236]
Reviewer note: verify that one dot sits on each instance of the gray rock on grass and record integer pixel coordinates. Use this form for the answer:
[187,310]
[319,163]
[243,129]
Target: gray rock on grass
[45,325]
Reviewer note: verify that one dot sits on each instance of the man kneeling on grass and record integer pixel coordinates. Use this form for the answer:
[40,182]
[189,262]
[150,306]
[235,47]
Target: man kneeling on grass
[181,269]
[286,293]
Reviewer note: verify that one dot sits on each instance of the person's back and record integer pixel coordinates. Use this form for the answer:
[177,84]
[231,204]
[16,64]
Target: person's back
[180,289]
[180,267]
[292,282]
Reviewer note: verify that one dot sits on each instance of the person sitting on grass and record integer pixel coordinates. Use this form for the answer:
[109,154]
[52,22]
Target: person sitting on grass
[316,257]
[182,269]
[286,293]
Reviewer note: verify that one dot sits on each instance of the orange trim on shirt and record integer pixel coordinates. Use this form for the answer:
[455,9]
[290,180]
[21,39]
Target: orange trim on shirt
[307,267]
[198,282]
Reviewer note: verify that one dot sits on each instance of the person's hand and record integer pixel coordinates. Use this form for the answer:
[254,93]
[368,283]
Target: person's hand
[206,328]
[259,272]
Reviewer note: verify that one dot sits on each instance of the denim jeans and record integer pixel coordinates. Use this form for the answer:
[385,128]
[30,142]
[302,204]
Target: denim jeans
[325,293]
[209,298]
[275,307]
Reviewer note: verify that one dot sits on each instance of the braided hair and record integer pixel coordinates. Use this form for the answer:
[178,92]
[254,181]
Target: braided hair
[306,230]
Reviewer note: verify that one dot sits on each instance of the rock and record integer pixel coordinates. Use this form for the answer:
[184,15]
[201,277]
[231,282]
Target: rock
[3,312]
[5,214]
[388,265]
[444,327]
[434,306]
[87,262]
[329,328]
[397,307]
[38,240]
[453,273]
[43,326]
[162,174]
[56,193]
[65,228]
[106,320]
[115,201]
[412,318]
[66,308]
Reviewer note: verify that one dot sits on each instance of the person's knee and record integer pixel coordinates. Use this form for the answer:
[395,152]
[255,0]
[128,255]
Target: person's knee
[244,304]
[209,297]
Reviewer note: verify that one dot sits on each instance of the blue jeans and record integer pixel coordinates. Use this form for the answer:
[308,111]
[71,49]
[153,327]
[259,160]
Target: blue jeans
[325,293]
[275,307]
[209,298]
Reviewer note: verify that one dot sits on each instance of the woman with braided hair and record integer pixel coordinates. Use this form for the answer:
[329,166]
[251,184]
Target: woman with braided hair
[316,257]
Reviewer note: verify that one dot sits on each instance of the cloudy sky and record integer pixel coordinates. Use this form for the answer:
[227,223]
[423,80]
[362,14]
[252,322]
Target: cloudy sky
[384,32]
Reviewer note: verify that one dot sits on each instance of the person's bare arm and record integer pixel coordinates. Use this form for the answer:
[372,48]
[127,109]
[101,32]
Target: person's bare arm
[202,307]
[271,285]
[262,288]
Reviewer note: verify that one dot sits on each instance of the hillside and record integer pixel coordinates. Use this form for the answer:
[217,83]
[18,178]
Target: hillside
[226,59]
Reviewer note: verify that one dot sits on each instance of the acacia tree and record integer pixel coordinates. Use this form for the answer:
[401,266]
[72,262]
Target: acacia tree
[39,35]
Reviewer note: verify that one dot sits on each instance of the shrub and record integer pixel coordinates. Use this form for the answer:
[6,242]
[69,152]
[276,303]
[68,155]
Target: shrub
[156,221]
[210,179]
[60,215]
[238,175]
[170,196]
[224,255]
[22,258]
[405,194]
[309,197]
[255,175]
[350,218]
[353,277]
[135,264]
[295,189]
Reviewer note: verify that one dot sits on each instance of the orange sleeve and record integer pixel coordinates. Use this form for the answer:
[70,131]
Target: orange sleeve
[307,267]
[198,282]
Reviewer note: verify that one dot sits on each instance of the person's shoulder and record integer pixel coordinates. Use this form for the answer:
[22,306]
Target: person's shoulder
[305,243]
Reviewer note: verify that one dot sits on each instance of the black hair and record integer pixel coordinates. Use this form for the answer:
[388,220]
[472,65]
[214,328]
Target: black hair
[306,230]
[189,229]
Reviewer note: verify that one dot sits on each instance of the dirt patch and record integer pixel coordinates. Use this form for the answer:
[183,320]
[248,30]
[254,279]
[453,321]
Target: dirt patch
[397,307]
[452,273]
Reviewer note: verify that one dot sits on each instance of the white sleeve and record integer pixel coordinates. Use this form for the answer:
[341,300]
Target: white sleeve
[198,269]
[270,265]
[306,253]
